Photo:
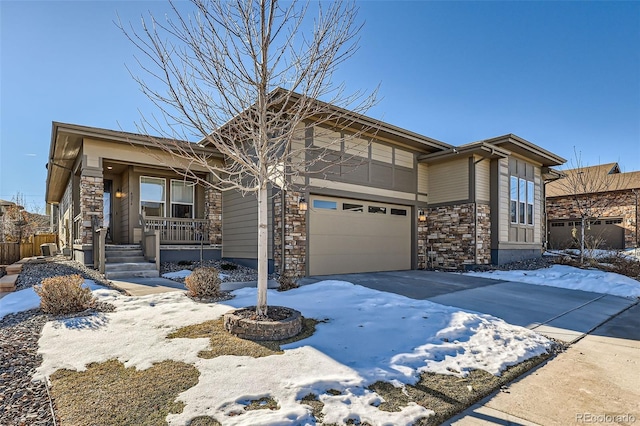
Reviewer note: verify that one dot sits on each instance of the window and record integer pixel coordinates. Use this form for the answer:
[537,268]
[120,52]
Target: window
[558,224]
[352,207]
[513,206]
[376,209]
[521,200]
[613,221]
[182,199]
[399,212]
[324,204]
[530,194]
[152,196]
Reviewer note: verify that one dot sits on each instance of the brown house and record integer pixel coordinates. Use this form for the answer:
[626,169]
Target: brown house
[412,202]
[610,199]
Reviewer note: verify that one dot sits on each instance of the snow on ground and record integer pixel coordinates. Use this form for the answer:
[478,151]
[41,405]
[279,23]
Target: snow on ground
[26,299]
[572,278]
[631,254]
[185,273]
[368,336]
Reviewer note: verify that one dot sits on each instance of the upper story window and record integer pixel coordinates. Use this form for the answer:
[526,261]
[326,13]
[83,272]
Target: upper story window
[152,196]
[182,196]
[521,200]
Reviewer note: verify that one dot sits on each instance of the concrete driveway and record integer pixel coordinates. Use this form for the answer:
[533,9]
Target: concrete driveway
[563,314]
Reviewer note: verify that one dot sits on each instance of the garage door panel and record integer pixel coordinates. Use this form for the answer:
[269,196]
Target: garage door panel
[343,241]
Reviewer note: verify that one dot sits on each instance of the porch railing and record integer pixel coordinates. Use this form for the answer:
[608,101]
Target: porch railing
[176,230]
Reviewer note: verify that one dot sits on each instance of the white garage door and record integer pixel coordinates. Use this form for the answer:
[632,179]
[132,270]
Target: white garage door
[348,236]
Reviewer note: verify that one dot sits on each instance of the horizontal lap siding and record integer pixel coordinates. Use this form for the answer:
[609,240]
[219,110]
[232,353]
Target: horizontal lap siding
[449,181]
[240,225]
[483,180]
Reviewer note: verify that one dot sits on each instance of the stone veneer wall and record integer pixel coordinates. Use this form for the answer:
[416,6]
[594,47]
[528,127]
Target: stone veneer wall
[295,235]
[213,203]
[451,239]
[91,205]
[423,252]
[483,234]
[615,204]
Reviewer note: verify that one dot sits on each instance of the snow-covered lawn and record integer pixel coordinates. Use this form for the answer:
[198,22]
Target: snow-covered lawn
[368,336]
[572,278]
[26,299]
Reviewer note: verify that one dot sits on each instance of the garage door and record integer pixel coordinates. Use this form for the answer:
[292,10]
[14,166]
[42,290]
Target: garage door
[348,236]
[608,231]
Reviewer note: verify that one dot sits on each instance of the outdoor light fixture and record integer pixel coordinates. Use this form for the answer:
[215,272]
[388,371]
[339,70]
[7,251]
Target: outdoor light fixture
[422,217]
[118,193]
[302,204]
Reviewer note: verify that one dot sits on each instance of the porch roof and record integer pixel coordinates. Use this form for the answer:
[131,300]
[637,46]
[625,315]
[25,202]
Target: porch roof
[66,145]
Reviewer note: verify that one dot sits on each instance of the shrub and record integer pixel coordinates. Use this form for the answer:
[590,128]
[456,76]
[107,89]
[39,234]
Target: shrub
[203,282]
[287,281]
[228,266]
[64,295]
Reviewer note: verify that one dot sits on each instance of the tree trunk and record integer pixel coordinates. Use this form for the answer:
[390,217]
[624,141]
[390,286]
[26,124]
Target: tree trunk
[263,241]
[582,230]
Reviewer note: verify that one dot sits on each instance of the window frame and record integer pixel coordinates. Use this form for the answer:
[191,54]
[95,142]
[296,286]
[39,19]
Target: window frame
[188,184]
[522,201]
[164,190]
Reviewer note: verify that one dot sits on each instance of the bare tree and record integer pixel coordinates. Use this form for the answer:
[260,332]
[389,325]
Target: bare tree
[584,185]
[242,76]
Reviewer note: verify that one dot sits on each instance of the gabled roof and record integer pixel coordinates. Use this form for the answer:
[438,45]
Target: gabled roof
[523,147]
[66,143]
[360,122]
[598,179]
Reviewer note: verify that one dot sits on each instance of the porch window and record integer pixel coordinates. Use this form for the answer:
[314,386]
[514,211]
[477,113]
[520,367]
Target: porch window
[182,199]
[152,196]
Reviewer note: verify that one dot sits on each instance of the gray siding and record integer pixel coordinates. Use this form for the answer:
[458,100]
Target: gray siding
[240,226]
[362,162]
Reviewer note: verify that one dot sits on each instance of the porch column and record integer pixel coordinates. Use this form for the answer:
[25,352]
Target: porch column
[91,202]
[290,237]
[213,202]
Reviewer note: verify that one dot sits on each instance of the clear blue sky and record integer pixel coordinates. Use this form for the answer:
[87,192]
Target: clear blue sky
[559,74]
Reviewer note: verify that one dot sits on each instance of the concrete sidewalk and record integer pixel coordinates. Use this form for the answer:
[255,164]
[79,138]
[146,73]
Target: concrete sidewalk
[145,286]
[597,380]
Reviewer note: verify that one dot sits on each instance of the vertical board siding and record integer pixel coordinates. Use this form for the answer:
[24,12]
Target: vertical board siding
[449,181]
[483,180]
[240,225]
[423,178]
[503,201]
[537,206]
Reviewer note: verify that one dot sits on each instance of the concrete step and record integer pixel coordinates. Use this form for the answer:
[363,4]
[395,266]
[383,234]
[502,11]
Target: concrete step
[8,283]
[113,275]
[13,269]
[125,259]
[123,253]
[130,266]
[109,247]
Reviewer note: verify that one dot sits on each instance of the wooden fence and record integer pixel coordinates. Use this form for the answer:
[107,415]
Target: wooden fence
[12,252]
[9,253]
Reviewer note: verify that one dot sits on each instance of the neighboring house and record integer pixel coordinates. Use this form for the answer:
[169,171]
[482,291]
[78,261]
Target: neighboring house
[614,199]
[412,201]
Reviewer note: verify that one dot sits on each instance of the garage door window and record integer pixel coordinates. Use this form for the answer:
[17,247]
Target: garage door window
[377,210]
[324,204]
[353,207]
[398,212]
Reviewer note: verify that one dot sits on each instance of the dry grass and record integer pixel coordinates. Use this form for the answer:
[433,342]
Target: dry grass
[224,343]
[266,403]
[110,394]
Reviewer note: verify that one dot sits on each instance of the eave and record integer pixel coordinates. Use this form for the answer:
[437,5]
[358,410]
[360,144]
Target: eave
[482,149]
